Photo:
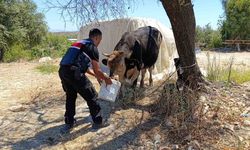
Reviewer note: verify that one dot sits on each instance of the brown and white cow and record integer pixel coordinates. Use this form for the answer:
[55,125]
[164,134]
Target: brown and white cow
[136,51]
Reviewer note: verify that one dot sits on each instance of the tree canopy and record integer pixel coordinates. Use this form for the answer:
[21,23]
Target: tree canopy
[20,23]
[236,24]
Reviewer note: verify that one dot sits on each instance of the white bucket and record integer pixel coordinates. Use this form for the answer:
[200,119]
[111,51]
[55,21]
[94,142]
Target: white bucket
[109,92]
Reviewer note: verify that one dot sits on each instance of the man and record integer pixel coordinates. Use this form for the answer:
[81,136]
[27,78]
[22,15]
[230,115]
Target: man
[73,67]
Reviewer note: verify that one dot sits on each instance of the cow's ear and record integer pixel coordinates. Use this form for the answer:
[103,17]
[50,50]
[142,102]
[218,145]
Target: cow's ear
[105,61]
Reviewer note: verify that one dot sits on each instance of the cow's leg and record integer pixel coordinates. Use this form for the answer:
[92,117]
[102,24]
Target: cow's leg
[143,71]
[150,75]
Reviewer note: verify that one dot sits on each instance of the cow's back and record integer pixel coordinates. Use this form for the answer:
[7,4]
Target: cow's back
[150,39]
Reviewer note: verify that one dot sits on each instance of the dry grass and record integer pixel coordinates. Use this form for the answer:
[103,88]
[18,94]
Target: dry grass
[226,72]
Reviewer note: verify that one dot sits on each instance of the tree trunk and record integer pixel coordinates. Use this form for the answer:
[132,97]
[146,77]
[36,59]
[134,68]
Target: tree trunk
[181,15]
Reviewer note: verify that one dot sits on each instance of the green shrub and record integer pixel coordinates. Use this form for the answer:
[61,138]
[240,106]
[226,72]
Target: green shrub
[207,37]
[54,46]
[237,75]
[216,40]
[15,53]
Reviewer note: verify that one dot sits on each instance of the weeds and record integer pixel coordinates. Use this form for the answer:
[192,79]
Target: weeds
[227,74]
[47,68]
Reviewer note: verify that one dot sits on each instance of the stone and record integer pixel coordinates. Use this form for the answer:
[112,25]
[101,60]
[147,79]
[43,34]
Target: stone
[157,138]
[245,96]
[17,108]
[175,146]
[188,138]
[203,98]
[45,59]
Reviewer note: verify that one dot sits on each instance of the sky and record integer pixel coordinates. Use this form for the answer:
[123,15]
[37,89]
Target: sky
[206,12]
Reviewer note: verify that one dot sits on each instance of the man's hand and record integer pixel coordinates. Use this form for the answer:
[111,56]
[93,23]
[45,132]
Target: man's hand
[99,74]
[108,81]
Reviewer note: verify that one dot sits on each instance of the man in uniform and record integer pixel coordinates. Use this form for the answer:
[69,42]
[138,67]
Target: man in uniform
[73,66]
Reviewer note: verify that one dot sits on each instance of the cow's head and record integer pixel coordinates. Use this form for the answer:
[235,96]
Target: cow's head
[116,63]
[124,62]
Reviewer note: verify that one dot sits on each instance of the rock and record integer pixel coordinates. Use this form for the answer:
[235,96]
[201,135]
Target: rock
[245,96]
[17,108]
[188,138]
[175,147]
[203,99]
[206,108]
[157,138]
[45,59]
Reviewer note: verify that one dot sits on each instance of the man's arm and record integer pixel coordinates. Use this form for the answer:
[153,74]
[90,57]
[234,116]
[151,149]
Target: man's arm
[99,74]
[90,72]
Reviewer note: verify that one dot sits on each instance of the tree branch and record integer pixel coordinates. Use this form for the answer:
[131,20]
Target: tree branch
[85,11]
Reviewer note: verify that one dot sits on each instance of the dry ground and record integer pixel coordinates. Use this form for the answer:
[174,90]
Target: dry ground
[32,107]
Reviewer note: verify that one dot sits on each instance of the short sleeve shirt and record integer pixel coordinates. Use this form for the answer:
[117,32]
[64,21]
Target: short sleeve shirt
[91,50]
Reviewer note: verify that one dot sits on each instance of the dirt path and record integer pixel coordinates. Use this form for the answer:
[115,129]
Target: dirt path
[32,107]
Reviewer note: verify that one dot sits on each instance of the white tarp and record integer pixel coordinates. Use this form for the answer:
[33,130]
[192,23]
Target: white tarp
[113,30]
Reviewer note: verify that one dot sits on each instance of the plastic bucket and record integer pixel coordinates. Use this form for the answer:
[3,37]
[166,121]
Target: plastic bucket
[110,92]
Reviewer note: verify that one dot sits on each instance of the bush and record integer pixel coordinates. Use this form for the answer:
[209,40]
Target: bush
[207,37]
[16,53]
[216,40]
[54,46]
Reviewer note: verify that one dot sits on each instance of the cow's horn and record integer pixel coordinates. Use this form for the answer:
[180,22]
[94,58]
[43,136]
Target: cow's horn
[105,54]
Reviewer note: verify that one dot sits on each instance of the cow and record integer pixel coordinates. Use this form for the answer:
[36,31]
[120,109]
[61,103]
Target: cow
[136,51]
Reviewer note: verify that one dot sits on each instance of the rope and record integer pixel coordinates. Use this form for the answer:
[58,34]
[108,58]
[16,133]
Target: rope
[163,82]
[185,67]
